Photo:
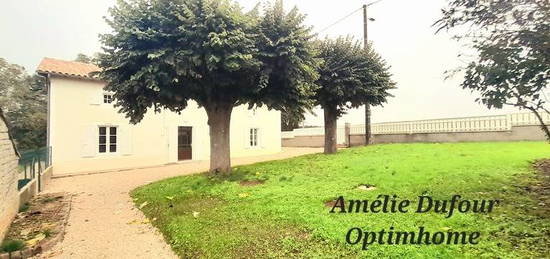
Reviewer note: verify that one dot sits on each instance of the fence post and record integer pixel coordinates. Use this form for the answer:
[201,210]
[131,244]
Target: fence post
[32,169]
[39,173]
[347,134]
[49,156]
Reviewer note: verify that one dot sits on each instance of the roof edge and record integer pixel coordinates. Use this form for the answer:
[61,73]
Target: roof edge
[51,73]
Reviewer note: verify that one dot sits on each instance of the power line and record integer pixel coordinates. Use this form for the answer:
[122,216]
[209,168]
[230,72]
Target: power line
[340,20]
[373,2]
[347,16]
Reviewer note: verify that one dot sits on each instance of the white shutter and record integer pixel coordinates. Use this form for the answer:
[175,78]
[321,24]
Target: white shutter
[90,140]
[167,139]
[96,98]
[125,137]
[246,138]
[261,137]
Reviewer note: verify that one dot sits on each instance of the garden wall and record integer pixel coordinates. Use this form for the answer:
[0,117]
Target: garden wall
[518,133]
[35,186]
[304,141]
[511,127]
[9,197]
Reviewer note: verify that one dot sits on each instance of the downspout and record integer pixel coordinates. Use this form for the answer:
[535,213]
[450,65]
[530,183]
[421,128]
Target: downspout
[48,115]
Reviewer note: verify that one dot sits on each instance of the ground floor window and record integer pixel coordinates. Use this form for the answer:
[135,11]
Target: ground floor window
[107,139]
[254,137]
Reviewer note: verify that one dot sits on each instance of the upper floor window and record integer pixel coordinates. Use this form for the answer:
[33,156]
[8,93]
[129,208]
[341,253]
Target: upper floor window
[252,112]
[107,98]
[107,139]
[254,137]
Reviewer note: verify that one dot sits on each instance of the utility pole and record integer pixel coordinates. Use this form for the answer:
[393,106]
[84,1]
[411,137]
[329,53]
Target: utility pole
[367,106]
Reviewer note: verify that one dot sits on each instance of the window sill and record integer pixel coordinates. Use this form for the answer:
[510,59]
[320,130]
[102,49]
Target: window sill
[108,154]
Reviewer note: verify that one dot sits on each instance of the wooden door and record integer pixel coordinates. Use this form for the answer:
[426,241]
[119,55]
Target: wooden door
[185,137]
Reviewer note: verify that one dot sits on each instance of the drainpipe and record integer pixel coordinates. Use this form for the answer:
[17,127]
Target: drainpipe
[46,76]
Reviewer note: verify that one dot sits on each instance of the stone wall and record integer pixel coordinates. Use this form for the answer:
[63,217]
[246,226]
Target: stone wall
[517,133]
[304,141]
[9,196]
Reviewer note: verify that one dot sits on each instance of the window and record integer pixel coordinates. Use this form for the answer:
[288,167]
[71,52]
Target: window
[254,137]
[107,139]
[252,112]
[107,98]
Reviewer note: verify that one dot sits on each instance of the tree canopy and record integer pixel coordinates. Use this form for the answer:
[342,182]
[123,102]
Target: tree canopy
[286,51]
[350,76]
[163,54]
[169,52]
[512,41]
[23,100]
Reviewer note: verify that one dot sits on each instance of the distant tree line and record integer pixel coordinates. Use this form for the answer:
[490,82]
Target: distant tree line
[23,100]
[83,58]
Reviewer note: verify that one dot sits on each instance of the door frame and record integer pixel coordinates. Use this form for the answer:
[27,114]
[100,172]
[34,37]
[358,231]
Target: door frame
[190,128]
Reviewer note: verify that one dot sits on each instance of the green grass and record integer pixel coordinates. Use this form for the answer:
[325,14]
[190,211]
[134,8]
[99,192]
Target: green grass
[10,246]
[286,216]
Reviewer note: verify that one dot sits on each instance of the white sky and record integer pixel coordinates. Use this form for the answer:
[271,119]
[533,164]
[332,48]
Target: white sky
[402,34]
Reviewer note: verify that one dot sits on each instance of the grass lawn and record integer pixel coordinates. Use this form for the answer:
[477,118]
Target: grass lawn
[286,216]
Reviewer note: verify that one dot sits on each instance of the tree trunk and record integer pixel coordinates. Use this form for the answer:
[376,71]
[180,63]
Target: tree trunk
[219,121]
[368,133]
[543,126]
[330,130]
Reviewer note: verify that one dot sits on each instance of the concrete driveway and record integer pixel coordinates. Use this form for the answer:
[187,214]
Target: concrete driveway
[103,222]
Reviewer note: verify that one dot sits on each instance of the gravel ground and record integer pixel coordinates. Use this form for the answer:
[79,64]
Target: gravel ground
[103,221]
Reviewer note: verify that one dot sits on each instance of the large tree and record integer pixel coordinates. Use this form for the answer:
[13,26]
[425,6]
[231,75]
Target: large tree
[512,43]
[23,100]
[163,54]
[350,77]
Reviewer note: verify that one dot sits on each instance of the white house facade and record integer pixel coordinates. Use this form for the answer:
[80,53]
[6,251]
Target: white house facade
[86,133]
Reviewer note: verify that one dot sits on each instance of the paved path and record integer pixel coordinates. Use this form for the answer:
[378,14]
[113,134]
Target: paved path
[103,222]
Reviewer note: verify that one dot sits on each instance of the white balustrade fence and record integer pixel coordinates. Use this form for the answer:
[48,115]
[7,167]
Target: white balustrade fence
[521,119]
[470,124]
[465,124]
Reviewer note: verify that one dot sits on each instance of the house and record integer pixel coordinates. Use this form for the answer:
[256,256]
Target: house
[9,176]
[86,133]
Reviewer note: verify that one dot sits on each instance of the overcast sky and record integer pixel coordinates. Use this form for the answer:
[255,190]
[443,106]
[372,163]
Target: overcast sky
[401,33]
